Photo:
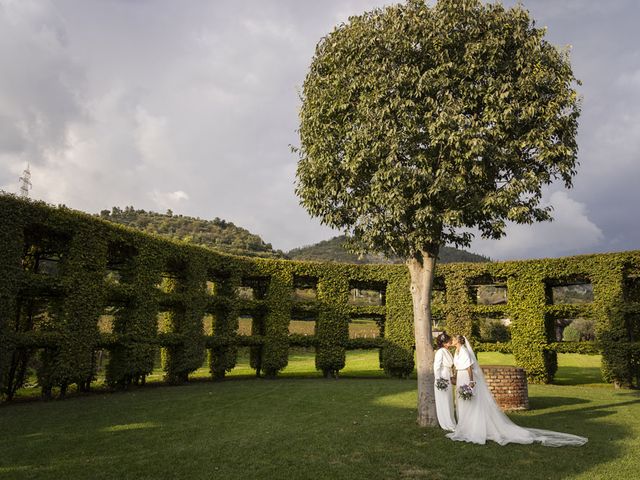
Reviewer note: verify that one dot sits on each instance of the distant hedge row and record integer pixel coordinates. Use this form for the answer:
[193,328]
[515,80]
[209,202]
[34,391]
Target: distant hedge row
[62,270]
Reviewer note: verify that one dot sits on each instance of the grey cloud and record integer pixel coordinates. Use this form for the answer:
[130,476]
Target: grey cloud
[40,87]
[603,36]
[193,106]
[12,139]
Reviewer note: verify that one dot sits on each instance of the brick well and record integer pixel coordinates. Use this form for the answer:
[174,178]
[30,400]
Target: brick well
[508,386]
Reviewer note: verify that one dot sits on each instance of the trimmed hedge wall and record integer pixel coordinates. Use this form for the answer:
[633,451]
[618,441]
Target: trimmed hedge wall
[61,271]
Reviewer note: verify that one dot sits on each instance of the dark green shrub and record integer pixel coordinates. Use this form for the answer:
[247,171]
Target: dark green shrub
[571,334]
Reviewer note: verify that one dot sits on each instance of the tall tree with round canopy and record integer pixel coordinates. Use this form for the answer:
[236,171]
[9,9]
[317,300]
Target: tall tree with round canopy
[420,123]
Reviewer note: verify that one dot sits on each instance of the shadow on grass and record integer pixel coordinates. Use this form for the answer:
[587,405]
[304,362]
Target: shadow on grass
[594,411]
[578,376]
[541,403]
[288,428]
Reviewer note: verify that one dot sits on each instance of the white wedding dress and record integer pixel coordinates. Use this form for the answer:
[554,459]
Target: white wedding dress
[481,419]
[444,398]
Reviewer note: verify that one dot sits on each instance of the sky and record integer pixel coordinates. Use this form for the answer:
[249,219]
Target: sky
[192,106]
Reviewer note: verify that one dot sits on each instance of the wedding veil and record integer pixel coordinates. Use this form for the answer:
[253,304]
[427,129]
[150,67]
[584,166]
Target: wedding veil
[477,371]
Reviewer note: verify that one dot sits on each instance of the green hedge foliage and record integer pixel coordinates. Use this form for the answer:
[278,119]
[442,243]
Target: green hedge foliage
[62,271]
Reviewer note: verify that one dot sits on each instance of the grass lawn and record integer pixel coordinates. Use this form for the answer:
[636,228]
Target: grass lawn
[305,427]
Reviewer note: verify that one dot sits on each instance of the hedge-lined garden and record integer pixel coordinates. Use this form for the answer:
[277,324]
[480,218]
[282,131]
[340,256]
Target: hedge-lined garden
[62,272]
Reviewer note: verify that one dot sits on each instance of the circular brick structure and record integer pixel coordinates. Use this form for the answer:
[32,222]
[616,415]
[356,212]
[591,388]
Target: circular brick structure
[508,386]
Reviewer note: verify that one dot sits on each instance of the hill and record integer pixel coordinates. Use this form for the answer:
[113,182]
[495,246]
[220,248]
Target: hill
[217,233]
[333,251]
[224,236]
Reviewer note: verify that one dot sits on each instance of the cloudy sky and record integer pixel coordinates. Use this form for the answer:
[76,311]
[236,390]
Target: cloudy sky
[193,106]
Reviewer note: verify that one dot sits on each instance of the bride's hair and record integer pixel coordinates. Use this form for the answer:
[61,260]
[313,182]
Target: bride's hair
[442,339]
[460,339]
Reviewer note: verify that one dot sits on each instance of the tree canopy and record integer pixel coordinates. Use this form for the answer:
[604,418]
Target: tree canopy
[420,122]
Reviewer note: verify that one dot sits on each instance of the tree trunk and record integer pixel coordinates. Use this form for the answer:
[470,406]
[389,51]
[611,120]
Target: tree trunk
[422,268]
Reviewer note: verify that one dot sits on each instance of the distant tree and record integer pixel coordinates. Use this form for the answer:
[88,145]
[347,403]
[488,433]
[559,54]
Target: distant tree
[494,331]
[419,123]
[580,329]
[571,334]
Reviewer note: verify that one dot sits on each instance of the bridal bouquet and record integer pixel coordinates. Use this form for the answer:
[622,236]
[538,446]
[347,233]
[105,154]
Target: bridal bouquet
[442,383]
[465,392]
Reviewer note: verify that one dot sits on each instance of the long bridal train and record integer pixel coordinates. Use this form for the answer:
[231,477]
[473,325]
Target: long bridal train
[481,419]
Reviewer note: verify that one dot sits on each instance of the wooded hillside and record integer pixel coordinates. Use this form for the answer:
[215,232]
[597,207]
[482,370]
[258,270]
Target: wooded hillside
[225,236]
[333,251]
[217,233]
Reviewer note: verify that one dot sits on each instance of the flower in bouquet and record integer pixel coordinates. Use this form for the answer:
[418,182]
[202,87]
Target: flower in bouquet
[465,392]
[442,383]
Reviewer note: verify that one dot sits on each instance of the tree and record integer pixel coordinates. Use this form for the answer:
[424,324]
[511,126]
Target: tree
[420,123]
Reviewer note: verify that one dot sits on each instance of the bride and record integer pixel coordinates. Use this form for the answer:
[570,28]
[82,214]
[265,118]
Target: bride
[479,417]
[443,378]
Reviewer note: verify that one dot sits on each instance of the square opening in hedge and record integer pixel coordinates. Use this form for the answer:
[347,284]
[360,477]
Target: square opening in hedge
[572,291]
[166,320]
[245,325]
[167,282]
[438,321]
[491,295]
[245,293]
[217,282]
[632,286]
[362,293]
[438,292]
[253,288]
[578,329]
[371,326]
[37,313]
[107,321]
[208,324]
[305,288]
[632,322]
[303,325]
[23,367]
[492,330]
[172,276]
[44,250]
[486,290]
[120,262]
[211,288]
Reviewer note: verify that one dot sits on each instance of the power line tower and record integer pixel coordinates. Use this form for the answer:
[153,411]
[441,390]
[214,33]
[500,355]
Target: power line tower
[25,182]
